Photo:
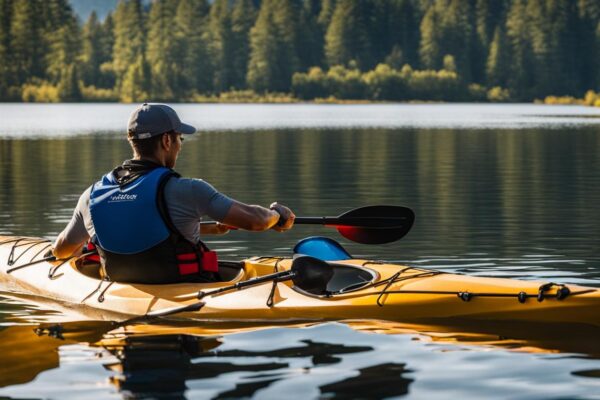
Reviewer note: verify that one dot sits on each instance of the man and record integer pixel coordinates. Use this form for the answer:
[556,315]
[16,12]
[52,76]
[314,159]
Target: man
[144,219]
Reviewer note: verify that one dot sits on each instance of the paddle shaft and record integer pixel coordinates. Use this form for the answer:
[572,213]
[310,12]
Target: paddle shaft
[361,222]
[278,276]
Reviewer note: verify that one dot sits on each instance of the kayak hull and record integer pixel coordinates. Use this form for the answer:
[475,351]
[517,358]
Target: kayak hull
[387,292]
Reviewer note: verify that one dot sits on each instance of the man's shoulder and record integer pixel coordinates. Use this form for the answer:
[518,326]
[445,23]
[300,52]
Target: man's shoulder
[190,186]
[85,196]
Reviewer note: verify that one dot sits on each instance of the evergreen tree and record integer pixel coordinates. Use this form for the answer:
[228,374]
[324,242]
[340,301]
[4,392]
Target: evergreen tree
[325,14]
[310,43]
[6,79]
[517,31]
[347,39]
[243,17]
[273,55]
[91,56]
[27,46]
[107,43]
[191,22]
[162,52]
[68,87]
[404,34]
[587,46]
[498,63]
[556,62]
[447,29]
[220,41]
[488,15]
[135,84]
[429,49]
[64,45]
[61,37]
[129,46]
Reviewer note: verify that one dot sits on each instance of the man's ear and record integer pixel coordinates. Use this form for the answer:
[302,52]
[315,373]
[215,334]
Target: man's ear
[166,141]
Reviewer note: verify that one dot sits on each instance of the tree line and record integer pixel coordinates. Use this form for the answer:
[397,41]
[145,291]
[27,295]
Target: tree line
[182,50]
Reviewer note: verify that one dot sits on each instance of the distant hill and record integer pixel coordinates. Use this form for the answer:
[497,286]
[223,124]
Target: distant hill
[83,8]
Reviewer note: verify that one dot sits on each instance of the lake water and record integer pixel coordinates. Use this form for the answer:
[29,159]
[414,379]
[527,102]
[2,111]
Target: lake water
[498,190]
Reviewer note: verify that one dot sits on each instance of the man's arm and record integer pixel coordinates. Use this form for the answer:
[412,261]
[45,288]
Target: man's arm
[64,249]
[73,237]
[234,213]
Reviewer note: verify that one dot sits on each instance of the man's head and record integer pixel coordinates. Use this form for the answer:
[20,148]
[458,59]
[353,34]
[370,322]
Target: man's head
[154,132]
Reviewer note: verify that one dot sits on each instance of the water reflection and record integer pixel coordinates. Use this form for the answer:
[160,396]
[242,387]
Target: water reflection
[229,360]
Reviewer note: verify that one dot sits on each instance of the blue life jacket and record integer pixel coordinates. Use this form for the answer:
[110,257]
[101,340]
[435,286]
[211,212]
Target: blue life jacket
[127,219]
[136,240]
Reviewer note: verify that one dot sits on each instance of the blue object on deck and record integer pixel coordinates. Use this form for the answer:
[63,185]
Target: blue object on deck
[323,248]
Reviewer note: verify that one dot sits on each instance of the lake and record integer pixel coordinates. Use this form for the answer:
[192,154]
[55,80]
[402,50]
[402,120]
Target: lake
[498,190]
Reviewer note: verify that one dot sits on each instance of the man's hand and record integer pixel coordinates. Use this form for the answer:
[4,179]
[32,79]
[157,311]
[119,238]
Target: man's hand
[286,219]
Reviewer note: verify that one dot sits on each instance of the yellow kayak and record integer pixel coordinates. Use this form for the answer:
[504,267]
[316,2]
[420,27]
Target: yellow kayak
[355,289]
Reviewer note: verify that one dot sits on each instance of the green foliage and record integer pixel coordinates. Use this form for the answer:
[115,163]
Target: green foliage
[69,87]
[381,83]
[96,95]
[498,95]
[181,50]
[39,91]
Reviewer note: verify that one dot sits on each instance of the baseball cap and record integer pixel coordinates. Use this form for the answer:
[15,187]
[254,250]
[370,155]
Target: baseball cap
[152,119]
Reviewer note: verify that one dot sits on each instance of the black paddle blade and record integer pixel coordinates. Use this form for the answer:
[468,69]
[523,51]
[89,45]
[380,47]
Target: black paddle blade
[376,224]
[311,274]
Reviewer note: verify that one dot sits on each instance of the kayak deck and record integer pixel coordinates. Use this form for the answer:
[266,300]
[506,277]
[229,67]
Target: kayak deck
[359,289]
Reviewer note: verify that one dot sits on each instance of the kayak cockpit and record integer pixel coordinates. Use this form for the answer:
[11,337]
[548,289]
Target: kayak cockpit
[345,279]
[229,271]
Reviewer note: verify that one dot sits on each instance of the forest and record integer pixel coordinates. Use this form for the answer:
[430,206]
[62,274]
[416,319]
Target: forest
[372,50]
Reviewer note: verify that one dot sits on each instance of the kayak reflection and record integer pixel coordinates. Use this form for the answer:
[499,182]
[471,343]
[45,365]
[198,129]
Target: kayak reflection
[153,360]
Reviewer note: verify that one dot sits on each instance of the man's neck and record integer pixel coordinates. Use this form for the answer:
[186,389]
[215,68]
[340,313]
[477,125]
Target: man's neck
[155,159]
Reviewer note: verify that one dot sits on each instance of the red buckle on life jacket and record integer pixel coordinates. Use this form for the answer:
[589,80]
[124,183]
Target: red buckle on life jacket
[210,262]
[189,263]
[92,258]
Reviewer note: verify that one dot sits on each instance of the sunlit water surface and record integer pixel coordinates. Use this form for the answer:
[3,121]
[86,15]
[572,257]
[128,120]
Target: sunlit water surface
[509,190]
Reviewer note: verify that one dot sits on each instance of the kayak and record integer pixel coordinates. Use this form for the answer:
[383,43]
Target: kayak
[354,289]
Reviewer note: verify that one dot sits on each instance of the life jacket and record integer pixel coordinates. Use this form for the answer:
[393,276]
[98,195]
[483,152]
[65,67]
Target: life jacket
[136,240]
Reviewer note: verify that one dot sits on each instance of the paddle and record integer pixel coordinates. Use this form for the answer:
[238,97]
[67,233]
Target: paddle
[308,273]
[370,224]
[366,225]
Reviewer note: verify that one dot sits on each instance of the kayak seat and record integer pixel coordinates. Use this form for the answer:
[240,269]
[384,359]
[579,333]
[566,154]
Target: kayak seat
[89,269]
[229,270]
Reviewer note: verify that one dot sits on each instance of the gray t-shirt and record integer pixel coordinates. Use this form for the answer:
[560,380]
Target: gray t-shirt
[188,200]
